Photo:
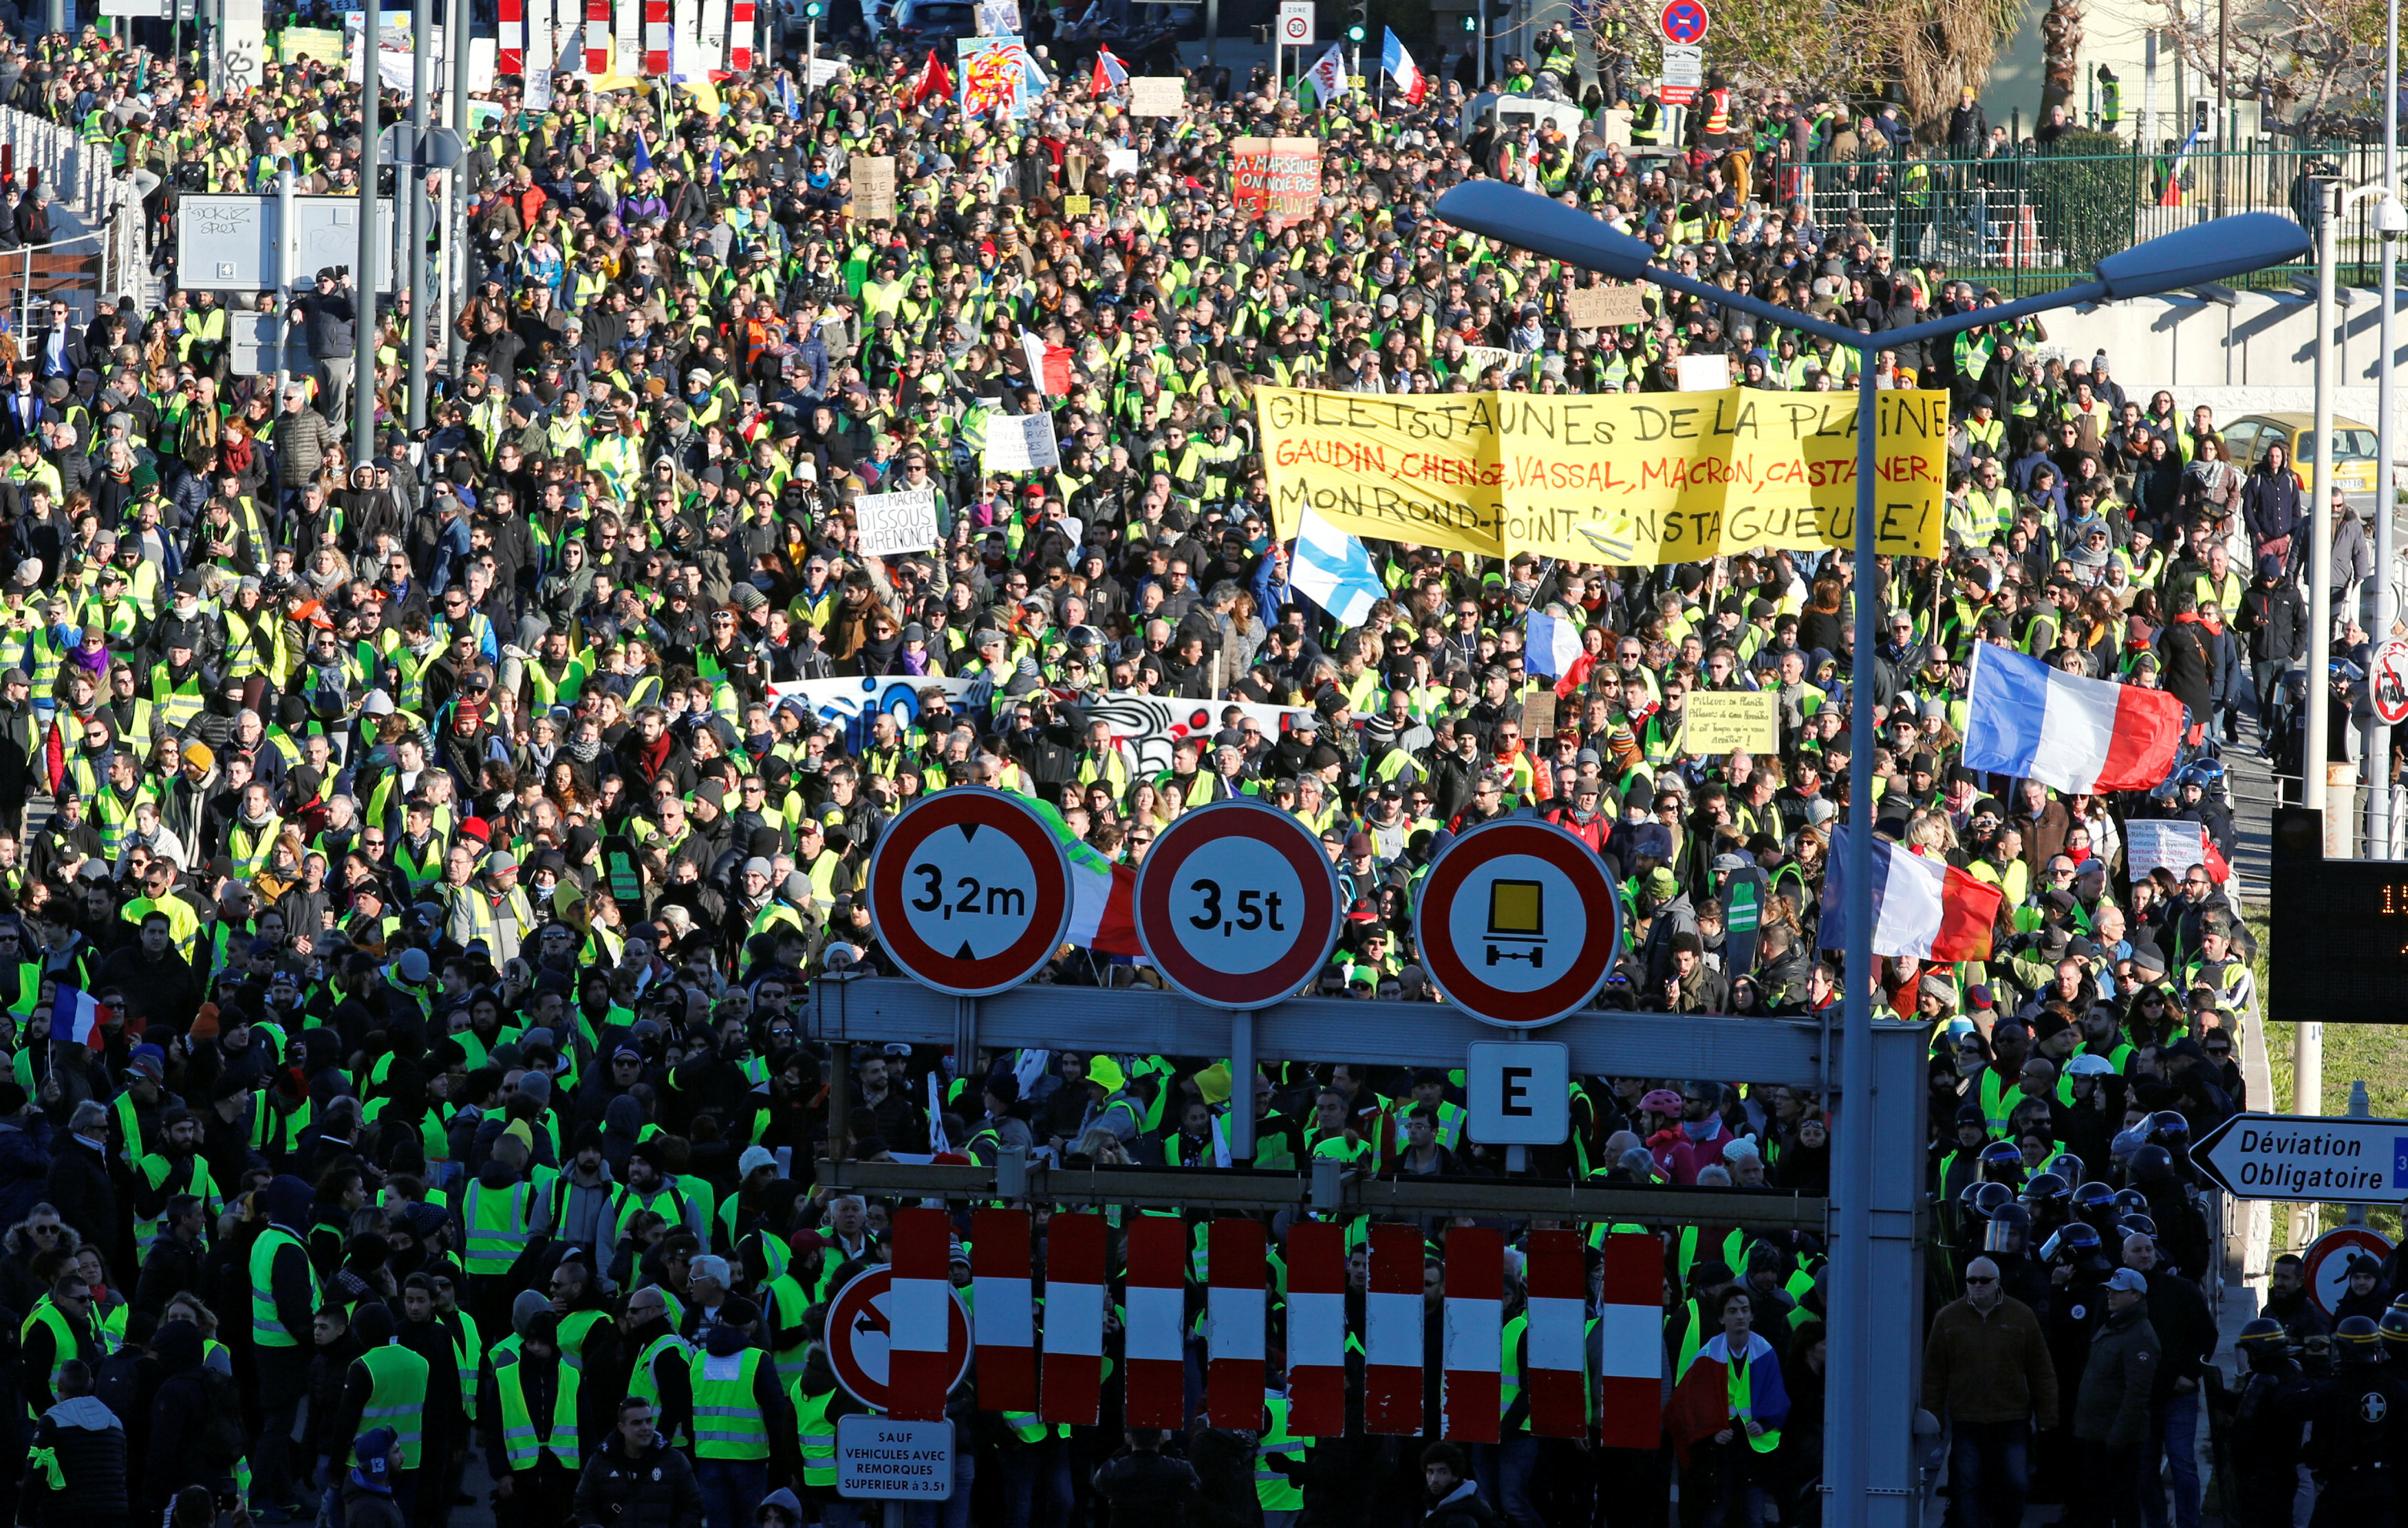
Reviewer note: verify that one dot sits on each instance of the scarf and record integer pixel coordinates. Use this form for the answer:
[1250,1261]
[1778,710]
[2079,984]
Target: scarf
[582,751]
[2215,626]
[233,454]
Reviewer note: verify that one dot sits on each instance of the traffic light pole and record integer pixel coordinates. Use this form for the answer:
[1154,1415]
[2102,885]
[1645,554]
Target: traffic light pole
[455,184]
[421,219]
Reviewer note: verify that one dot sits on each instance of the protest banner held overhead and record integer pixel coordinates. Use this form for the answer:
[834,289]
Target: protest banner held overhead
[1619,479]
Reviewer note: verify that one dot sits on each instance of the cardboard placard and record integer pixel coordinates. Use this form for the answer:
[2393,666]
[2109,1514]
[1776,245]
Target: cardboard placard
[1157,96]
[1603,307]
[902,522]
[1076,206]
[1021,443]
[1539,715]
[873,189]
[2150,842]
[1293,179]
[1729,721]
[1702,373]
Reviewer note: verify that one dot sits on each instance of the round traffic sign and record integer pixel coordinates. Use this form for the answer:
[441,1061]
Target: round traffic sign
[858,1334]
[2388,686]
[1237,904]
[2325,1267]
[970,891]
[1683,21]
[1518,923]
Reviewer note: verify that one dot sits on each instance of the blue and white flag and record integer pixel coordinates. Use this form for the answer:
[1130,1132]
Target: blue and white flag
[1331,569]
[1550,645]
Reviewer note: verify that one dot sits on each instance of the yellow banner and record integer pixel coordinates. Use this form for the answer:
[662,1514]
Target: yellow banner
[1730,721]
[1630,477]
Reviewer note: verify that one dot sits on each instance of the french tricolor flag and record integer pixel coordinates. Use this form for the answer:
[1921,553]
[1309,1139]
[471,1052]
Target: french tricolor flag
[2085,735]
[1111,74]
[1398,65]
[1927,909]
[76,1015]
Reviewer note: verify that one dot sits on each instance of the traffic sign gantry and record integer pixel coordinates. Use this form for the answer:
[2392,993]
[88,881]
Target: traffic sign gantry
[1518,923]
[970,891]
[2331,1160]
[1683,21]
[860,1331]
[1237,904]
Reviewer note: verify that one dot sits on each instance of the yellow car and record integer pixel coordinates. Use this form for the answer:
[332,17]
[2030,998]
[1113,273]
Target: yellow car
[2249,436]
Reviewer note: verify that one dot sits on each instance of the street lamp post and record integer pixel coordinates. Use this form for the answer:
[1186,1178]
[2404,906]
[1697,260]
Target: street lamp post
[1868,1469]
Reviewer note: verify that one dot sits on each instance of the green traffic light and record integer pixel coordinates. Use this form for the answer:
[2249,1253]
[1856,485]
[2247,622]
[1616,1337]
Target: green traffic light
[1353,34]
[1470,22]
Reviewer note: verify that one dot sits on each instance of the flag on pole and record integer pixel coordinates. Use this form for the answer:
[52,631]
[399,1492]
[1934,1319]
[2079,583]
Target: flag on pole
[2080,735]
[76,1015]
[1111,74]
[1049,365]
[1331,569]
[935,79]
[1103,893]
[643,159]
[1398,65]
[1328,77]
[1550,645]
[2172,193]
[1927,909]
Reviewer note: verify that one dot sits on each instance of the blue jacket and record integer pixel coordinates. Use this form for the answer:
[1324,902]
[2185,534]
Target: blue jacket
[24,1166]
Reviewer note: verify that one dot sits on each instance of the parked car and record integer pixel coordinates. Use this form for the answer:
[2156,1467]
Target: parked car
[2355,467]
[923,24]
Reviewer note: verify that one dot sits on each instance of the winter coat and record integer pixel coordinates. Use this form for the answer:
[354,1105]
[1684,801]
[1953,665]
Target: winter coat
[89,1444]
[80,1185]
[2112,1408]
[1989,1368]
[655,1490]
[24,1166]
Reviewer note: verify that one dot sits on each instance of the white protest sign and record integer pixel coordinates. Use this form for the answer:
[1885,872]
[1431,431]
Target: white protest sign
[2149,843]
[1120,162]
[1021,443]
[891,524]
[1703,373]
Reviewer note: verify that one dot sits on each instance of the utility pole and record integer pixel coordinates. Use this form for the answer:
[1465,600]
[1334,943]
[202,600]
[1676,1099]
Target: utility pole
[455,182]
[2390,220]
[364,276]
[421,27]
[285,229]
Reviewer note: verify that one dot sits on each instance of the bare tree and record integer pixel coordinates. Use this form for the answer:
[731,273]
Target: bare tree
[2301,59]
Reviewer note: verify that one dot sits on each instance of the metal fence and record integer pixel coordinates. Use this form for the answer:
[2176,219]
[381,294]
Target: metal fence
[2032,221]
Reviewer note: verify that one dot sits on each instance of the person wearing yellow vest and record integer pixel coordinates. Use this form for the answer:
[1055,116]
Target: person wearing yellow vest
[529,1413]
[385,1387]
[1726,1415]
[57,1332]
[742,1419]
[284,1293]
[637,1477]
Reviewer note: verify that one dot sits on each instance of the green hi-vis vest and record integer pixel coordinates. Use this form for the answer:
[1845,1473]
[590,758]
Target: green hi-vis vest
[644,1382]
[498,1224]
[520,1443]
[1742,1384]
[727,1423]
[396,1397]
[819,1437]
[1274,1491]
[266,1327]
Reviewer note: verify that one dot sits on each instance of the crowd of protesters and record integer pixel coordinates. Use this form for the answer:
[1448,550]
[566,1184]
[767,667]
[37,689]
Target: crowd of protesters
[417,872]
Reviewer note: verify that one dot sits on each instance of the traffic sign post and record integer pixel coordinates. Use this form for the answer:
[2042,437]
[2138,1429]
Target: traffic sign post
[2309,1158]
[860,1331]
[1518,923]
[1684,72]
[1237,907]
[1296,23]
[898,1460]
[1683,21]
[1237,904]
[970,892]
[1518,1091]
[2326,1265]
[2386,687]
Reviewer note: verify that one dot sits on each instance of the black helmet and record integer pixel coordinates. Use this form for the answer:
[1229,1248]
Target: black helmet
[2264,1335]
[2152,1164]
[2168,1125]
[2131,1202]
[2137,1226]
[2069,1167]
[1986,1199]
[2004,1160]
[2394,1327]
[2077,1240]
[2092,1196]
[2045,1187]
[2010,1227]
[2359,1340]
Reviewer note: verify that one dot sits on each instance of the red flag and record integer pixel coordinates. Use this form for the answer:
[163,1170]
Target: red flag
[935,79]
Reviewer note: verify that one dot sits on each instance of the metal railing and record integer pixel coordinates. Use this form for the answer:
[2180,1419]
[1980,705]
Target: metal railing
[2032,221]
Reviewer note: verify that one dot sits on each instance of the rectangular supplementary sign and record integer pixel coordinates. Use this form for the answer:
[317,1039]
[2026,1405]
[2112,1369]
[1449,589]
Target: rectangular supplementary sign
[227,243]
[878,1456]
[2281,1156]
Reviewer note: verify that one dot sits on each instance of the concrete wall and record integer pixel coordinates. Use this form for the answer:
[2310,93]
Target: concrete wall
[2259,354]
